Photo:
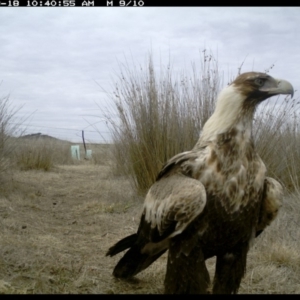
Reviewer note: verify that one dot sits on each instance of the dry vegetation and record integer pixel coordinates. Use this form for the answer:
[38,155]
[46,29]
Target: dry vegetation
[160,115]
[59,216]
[56,227]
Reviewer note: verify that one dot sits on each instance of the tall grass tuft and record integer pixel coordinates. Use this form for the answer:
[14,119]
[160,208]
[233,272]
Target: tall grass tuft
[35,158]
[7,129]
[156,115]
[276,130]
[41,153]
[159,115]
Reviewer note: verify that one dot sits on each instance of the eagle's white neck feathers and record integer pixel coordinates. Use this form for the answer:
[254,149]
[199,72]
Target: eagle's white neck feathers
[229,113]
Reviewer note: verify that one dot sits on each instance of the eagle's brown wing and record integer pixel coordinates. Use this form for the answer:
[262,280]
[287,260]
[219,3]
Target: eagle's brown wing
[171,205]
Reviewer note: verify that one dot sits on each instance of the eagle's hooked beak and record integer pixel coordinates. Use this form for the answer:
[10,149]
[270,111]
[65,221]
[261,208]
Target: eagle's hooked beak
[279,86]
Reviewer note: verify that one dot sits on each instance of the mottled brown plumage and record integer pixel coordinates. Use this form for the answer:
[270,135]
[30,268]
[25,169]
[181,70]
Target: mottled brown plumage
[210,201]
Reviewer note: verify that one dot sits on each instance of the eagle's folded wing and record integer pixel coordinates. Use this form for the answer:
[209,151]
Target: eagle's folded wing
[170,206]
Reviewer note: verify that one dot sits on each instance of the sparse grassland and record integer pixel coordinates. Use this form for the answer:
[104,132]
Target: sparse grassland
[59,216]
[43,153]
[56,227]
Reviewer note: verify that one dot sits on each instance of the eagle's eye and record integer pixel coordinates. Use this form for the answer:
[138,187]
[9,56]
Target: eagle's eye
[259,81]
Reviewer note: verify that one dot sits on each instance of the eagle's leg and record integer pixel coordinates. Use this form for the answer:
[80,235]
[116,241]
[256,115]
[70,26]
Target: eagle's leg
[186,271]
[230,269]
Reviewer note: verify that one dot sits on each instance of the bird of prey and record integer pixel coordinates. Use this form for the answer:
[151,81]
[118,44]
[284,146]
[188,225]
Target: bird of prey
[210,201]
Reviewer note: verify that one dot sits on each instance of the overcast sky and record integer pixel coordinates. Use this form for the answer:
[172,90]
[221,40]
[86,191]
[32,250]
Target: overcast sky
[54,60]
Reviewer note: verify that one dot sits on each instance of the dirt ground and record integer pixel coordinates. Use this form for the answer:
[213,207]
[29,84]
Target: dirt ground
[57,226]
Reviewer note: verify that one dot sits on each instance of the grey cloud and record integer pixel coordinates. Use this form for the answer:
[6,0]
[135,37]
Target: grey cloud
[52,58]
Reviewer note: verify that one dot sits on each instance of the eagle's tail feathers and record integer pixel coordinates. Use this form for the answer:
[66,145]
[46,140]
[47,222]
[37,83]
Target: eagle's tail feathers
[134,262]
[122,245]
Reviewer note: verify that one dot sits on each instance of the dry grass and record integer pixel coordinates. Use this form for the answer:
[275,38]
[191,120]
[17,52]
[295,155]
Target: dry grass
[53,225]
[157,115]
[46,153]
[41,153]
[7,128]
[274,261]
[276,130]
[101,153]
[56,227]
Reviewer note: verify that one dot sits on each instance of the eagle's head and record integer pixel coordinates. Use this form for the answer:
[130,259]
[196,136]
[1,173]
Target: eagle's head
[256,87]
[236,103]
[249,89]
